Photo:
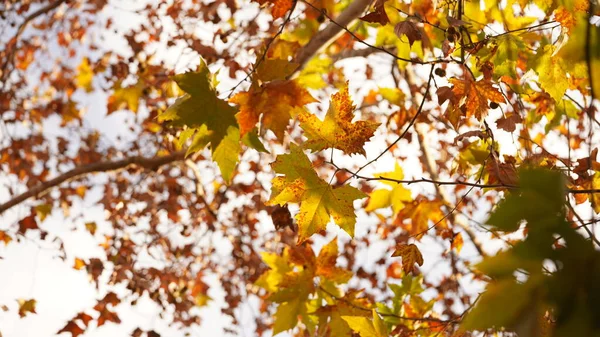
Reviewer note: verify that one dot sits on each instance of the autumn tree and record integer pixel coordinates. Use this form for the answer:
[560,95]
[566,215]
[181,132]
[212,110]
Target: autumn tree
[344,168]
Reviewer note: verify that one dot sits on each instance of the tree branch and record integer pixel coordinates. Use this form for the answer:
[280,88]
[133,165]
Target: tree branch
[349,53]
[146,163]
[331,32]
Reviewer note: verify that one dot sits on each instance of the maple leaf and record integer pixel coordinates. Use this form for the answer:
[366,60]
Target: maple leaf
[201,107]
[457,243]
[289,282]
[279,266]
[280,7]
[509,124]
[85,75]
[28,222]
[476,95]
[552,72]
[274,69]
[286,316]
[318,200]
[396,197]
[366,327]
[276,101]
[410,30]
[350,306]
[504,52]
[420,212]
[326,262]
[125,97]
[378,15]
[26,307]
[337,130]
[410,255]
[73,328]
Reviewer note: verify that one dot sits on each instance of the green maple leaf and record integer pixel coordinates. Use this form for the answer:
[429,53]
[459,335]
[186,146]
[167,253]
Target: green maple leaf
[503,52]
[213,118]
[318,200]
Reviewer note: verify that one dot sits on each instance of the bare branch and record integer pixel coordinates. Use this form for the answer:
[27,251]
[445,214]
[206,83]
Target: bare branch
[106,166]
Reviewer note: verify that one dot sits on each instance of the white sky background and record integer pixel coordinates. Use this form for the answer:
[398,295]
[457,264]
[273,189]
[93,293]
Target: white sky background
[32,269]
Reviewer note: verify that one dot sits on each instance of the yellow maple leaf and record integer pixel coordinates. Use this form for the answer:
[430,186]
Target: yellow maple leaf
[276,101]
[326,264]
[319,201]
[337,130]
[410,255]
[476,95]
[274,69]
[552,71]
[420,212]
[396,197]
[289,281]
[125,97]
[366,327]
[85,75]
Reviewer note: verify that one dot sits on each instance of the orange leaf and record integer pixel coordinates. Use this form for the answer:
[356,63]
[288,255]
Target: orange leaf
[275,101]
[79,263]
[410,255]
[476,95]
[280,7]
[73,328]
[26,306]
[4,237]
[565,18]
[457,243]
[420,212]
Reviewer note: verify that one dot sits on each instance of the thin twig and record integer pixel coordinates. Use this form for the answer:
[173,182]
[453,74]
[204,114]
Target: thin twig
[403,134]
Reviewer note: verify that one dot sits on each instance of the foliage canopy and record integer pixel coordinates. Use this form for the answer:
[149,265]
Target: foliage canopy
[345,168]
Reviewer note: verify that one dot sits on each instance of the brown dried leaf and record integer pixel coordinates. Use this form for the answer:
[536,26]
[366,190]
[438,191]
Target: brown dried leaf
[410,255]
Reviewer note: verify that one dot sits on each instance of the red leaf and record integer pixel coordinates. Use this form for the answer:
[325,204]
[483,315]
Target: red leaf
[509,123]
[73,328]
[378,15]
[28,223]
[410,29]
